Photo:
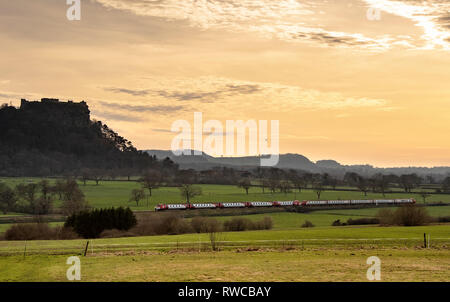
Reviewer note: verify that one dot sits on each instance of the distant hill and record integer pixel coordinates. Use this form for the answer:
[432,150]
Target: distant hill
[290,161]
[53,138]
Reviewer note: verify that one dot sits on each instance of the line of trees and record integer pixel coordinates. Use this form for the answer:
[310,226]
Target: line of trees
[39,198]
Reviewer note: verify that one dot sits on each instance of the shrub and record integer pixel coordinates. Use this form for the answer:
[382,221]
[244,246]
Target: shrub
[385,216]
[242,224]
[338,223]
[38,231]
[237,224]
[409,215]
[308,224]
[204,225]
[363,221]
[169,224]
[116,233]
[444,219]
[90,224]
[265,224]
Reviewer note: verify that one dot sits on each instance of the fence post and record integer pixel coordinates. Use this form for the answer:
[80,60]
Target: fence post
[425,240]
[25,250]
[86,249]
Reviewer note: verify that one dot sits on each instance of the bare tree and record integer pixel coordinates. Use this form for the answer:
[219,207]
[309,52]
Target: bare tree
[137,195]
[97,175]
[189,191]
[151,180]
[362,184]
[73,198]
[424,195]
[245,184]
[214,228]
[8,199]
[318,188]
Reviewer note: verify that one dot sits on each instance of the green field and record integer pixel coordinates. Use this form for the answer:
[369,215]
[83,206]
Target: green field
[319,254]
[285,253]
[266,265]
[117,193]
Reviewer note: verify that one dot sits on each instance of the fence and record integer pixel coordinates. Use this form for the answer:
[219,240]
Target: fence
[96,247]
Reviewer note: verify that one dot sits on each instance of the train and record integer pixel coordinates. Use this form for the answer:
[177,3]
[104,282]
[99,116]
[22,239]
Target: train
[291,203]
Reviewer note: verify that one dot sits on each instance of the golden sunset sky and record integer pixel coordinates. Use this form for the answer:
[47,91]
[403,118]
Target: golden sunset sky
[344,84]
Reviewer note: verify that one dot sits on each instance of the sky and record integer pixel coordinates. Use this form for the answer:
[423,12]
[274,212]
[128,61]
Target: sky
[357,81]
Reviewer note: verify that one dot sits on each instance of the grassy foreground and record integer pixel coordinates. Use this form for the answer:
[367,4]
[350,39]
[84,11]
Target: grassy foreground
[263,265]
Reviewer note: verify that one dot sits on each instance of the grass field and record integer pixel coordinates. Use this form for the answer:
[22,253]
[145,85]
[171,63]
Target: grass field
[117,193]
[285,253]
[325,254]
[293,265]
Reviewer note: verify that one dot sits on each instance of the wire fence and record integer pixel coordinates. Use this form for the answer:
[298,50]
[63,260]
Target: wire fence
[96,247]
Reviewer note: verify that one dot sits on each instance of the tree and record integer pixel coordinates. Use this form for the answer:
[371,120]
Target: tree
[424,195]
[8,199]
[73,198]
[28,192]
[285,186]
[189,191]
[85,175]
[409,181]
[151,180]
[318,188]
[446,184]
[137,195]
[362,184]
[298,180]
[90,224]
[245,184]
[382,183]
[97,175]
[58,188]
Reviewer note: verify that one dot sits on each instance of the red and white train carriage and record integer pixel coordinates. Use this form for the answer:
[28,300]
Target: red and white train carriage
[290,203]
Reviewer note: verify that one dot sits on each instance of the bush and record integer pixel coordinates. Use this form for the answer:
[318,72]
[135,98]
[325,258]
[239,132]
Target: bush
[308,224]
[116,233]
[409,215]
[265,224]
[90,224]
[338,223]
[169,224]
[444,219]
[237,224]
[205,225]
[363,221]
[385,216]
[242,224]
[38,231]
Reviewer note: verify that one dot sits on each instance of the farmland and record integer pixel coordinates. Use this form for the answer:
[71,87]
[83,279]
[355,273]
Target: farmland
[287,252]
[117,193]
[319,254]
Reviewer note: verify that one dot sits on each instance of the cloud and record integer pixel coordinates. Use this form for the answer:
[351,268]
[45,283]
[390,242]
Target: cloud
[431,16]
[142,108]
[127,91]
[118,117]
[295,21]
[210,96]
[231,94]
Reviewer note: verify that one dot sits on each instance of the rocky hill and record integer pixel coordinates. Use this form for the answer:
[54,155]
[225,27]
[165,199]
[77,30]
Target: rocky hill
[53,138]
